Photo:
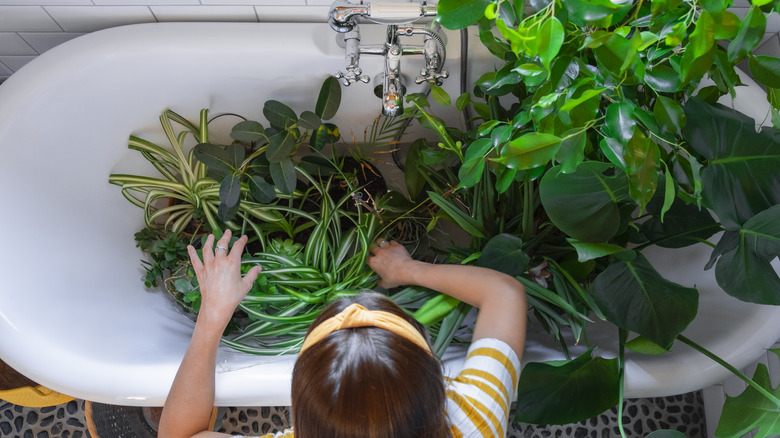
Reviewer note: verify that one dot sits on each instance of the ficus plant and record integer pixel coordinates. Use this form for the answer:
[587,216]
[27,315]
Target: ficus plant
[597,135]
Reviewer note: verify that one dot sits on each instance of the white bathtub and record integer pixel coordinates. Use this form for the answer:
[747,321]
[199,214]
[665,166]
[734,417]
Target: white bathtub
[74,314]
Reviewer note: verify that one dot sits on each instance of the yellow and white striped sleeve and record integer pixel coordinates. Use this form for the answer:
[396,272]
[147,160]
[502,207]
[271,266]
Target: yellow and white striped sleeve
[287,433]
[478,399]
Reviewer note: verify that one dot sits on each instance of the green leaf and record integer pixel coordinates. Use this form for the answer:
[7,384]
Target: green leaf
[572,150]
[248,131]
[329,99]
[659,7]
[283,174]
[549,40]
[327,133]
[766,70]
[715,5]
[741,177]
[504,253]
[562,393]
[703,36]
[751,31]
[693,67]
[470,172]
[582,109]
[529,151]
[468,223]
[440,96]
[221,159]
[590,251]
[726,24]
[663,79]
[260,189]
[751,409]
[309,120]
[745,272]
[585,204]
[281,146]
[643,345]
[642,157]
[669,114]
[682,225]
[457,14]
[665,433]
[583,11]
[279,115]
[462,101]
[413,178]
[229,195]
[634,296]
[620,121]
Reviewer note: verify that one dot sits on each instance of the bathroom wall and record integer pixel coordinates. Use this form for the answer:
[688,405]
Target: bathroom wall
[30,27]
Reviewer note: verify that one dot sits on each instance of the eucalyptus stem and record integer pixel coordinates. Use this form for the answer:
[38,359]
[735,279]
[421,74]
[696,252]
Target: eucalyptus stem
[729,367]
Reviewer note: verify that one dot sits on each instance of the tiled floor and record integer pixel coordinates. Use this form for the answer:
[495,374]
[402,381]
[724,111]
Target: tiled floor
[641,416]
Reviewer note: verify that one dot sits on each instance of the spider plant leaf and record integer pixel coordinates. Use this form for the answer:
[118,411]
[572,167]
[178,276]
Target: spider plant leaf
[329,99]
[468,223]
[223,160]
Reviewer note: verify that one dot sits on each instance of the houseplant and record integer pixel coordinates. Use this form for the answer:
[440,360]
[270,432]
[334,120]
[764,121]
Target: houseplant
[593,142]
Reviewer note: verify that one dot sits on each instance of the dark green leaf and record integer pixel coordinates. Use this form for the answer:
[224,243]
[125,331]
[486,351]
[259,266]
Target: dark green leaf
[693,67]
[669,114]
[683,225]
[327,133]
[229,195]
[715,5]
[261,190]
[659,7]
[281,146]
[585,204]
[745,272]
[221,159]
[751,411]
[583,11]
[766,70]
[457,14]
[283,174]
[309,120]
[529,151]
[549,40]
[248,131]
[589,251]
[504,253]
[462,101]
[582,109]
[741,178]
[728,242]
[750,34]
[415,181]
[703,36]
[620,121]
[562,393]
[329,99]
[642,163]
[470,172]
[634,296]
[279,115]
[572,150]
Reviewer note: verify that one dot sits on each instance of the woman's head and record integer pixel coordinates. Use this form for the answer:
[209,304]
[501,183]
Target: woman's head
[367,382]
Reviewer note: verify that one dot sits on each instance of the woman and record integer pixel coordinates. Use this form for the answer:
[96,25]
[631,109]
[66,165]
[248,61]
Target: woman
[366,369]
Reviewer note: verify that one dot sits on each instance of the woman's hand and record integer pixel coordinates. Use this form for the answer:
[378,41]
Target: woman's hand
[392,262]
[219,274]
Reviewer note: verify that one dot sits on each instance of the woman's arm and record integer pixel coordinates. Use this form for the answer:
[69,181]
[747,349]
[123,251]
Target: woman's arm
[499,297]
[190,401]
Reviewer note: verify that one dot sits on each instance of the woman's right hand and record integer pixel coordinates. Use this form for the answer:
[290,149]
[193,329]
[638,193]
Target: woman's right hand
[392,262]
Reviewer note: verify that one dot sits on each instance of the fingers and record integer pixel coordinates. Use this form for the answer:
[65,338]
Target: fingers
[250,277]
[197,265]
[222,245]
[208,251]
[238,248]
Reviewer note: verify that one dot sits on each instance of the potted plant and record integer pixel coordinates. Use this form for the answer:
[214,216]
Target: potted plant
[592,140]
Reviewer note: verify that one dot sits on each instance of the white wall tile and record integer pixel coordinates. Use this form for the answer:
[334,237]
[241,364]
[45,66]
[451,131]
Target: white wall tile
[255,2]
[313,14]
[771,47]
[16,62]
[5,72]
[145,2]
[21,18]
[43,41]
[204,13]
[91,18]
[45,2]
[12,44]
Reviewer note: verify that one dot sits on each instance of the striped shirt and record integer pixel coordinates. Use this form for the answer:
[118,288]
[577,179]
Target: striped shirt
[478,399]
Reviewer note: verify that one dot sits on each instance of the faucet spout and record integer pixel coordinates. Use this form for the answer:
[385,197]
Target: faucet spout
[392,89]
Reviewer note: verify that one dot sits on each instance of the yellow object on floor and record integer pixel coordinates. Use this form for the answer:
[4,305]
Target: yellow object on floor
[34,396]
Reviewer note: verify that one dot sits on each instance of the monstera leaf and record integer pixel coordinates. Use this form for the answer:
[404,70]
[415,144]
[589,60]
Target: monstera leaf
[751,409]
[744,272]
[585,204]
[634,296]
[567,391]
[741,178]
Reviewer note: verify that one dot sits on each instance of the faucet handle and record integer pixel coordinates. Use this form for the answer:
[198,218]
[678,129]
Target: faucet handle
[432,76]
[351,76]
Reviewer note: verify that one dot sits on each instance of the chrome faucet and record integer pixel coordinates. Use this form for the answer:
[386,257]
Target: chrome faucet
[343,18]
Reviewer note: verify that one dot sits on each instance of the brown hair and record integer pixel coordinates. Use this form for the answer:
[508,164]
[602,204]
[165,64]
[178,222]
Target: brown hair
[368,382]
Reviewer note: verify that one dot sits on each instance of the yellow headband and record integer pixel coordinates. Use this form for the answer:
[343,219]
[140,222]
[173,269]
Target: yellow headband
[355,315]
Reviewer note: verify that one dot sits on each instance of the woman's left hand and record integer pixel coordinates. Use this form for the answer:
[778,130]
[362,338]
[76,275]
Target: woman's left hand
[219,274]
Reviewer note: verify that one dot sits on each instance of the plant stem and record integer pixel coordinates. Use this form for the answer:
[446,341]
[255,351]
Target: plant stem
[623,335]
[729,367]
